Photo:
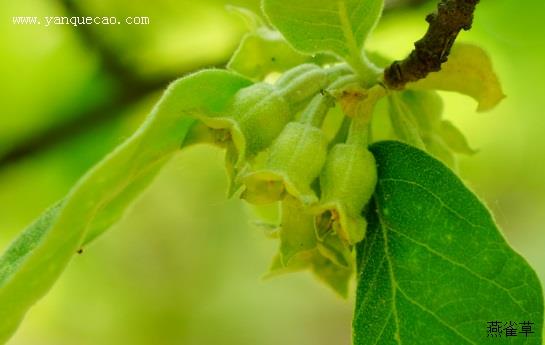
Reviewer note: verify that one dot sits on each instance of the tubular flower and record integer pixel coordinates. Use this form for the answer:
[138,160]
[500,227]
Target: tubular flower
[294,160]
[258,114]
[347,183]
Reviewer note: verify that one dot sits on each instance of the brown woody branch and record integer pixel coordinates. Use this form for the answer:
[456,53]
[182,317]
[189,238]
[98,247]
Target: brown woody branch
[432,50]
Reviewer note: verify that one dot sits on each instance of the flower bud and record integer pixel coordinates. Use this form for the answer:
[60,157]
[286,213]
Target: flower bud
[258,114]
[254,118]
[293,163]
[347,184]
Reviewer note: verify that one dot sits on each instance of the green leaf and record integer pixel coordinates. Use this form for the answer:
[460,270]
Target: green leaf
[427,108]
[436,146]
[36,259]
[468,71]
[404,122]
[434,268]
[326,26]
[454,138]
[263,52]
[441,138]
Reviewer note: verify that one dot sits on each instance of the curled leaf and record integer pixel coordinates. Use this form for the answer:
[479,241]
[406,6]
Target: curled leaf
[468,71]
[35,260]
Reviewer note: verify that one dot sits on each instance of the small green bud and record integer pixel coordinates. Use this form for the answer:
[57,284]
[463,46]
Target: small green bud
[261,113]
[255,117]
[294,161]
[347,184]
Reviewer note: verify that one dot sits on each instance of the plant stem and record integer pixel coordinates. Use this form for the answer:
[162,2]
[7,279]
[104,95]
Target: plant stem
[316,111]
[358,134]
[432,50]
[359,128]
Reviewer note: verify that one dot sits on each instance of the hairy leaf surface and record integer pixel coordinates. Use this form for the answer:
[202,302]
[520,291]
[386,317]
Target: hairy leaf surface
[434,268]
[317,26]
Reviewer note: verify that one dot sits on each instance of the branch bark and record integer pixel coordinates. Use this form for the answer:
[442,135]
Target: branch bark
[432,50]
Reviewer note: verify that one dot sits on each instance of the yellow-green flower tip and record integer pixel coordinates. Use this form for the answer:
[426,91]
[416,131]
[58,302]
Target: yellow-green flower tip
[263,187]
[335,217]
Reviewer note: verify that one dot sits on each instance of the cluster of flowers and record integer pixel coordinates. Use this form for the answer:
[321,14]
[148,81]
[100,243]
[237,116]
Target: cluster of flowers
[278,152]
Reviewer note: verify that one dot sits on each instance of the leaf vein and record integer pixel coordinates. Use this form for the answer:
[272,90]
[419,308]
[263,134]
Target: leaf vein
[426,310]
[463,266]
[393,282]
[371,282]
[443,204]
[384,327]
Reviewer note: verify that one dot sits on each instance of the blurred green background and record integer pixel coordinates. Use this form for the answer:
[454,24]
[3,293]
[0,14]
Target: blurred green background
[184,265]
